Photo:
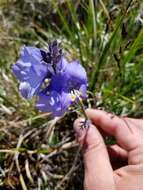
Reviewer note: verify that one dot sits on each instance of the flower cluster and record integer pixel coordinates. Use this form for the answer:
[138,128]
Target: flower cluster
[66,81]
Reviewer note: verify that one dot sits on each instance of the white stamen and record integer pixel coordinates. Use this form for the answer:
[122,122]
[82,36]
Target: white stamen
[75,94]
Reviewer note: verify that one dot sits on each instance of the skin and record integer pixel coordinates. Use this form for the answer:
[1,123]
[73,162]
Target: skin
[116,167]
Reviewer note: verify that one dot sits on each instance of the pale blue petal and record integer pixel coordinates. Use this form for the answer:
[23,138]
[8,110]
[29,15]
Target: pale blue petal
[55,103]
[76,72]
[27,91]
[30,69]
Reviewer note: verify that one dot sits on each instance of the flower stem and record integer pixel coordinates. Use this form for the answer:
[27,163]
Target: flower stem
[82,108]
[86,123]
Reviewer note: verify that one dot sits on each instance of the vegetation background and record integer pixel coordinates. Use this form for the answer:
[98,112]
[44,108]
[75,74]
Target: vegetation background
[36,151]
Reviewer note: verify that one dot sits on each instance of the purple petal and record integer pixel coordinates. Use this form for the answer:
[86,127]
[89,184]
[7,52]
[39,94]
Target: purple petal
[66,101]
[72,79]
[77,78]
[30,69]
[60,67]
[62,64]
[83,89]
[58,82]
[76,72]
[55,103]
[26,90]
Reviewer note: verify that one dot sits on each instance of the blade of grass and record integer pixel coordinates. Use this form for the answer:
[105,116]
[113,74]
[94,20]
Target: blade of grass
[104,54]
[64,20]
[104,9]
[137,44]
[94,19]
[129,100]
[102,59]
[76,26]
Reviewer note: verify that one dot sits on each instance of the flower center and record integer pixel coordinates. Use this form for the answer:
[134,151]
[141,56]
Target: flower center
[53,55]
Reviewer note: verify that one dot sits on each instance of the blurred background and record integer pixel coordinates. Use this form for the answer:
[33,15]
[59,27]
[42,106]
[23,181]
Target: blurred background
[36,151]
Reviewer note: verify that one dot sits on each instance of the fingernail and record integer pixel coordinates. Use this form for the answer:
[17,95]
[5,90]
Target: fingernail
[79,127]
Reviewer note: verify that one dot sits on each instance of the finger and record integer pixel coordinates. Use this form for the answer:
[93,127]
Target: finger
[96,159]
[115,126]
[117,153]
[137,122]
[118,156]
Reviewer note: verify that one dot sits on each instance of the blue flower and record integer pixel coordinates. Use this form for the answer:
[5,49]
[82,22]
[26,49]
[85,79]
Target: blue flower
[67,82]
[63,90]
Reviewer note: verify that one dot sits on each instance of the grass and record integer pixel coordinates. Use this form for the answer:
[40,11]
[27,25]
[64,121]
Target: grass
[107,38]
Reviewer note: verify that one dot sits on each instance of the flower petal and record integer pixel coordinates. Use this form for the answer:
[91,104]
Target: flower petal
[62,64]
[76,77]
[76,72]
[58,82]
[70,80]
[83,89]
[26,90]
[55,103]
[30,69]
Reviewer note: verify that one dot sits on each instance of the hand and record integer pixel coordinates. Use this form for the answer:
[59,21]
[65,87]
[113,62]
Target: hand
[99,172]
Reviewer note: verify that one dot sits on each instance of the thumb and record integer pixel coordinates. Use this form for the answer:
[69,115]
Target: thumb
[96,159]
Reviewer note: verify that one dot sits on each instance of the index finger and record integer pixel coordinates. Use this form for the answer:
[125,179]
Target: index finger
[113,125]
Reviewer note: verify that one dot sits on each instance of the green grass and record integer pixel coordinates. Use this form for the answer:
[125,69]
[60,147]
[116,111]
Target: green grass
[107,38]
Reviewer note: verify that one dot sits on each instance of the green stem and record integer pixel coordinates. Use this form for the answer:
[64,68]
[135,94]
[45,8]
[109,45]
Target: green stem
[82,108]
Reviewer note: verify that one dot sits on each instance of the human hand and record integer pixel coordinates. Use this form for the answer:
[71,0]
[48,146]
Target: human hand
[99,172]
